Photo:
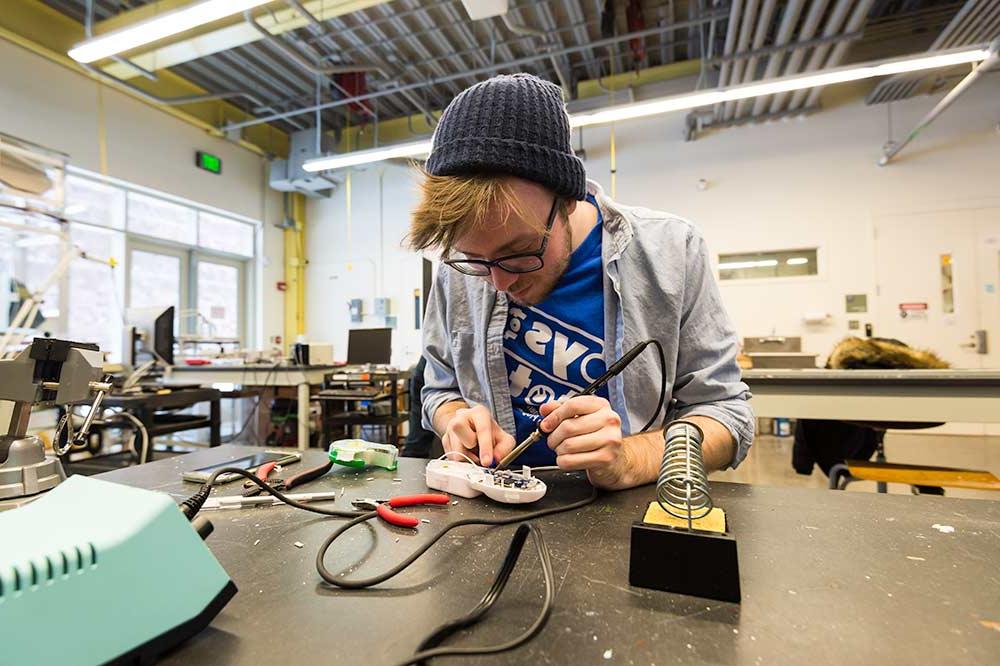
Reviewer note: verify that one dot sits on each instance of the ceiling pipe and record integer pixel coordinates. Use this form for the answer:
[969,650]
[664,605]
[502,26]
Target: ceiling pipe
[786,30]
[517,62]
[732,32]
[742,44]
[525,31]
[750,72]
[854,24]
[834,26]
[295,56]
[893,149]
[794,65]
[350,36]
[88,22]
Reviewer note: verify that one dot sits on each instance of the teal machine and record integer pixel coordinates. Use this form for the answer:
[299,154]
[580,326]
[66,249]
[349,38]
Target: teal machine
[91,572]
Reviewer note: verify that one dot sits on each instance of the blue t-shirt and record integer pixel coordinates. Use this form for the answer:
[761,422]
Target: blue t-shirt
[556,348]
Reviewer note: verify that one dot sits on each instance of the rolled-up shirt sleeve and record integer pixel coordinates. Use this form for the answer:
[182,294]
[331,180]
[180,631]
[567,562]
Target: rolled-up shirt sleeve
[440,380]
[708,381]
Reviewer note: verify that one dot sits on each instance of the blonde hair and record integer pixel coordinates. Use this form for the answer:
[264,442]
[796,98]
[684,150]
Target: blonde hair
[452,206]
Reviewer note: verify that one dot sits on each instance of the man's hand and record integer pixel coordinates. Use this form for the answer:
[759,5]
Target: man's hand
[472,431]
[586,434]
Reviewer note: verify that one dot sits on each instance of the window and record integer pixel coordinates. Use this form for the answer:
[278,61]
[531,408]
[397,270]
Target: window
[219,298]
[96,289]
[154,280]
[159,218]
[28,260]
[166,251]
[225,235]
[94,203]
[774,264]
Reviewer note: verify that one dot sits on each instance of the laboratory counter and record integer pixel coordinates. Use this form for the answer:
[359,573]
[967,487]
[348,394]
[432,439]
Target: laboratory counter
[827,578]
[910,396]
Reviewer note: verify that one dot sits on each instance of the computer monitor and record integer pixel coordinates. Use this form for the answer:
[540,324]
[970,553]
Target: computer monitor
[369,345]
[149,334]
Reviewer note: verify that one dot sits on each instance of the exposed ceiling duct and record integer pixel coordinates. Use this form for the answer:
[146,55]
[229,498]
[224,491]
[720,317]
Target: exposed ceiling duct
[285,69]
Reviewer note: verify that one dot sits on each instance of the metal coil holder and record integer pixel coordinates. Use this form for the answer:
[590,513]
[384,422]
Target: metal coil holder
[682,485]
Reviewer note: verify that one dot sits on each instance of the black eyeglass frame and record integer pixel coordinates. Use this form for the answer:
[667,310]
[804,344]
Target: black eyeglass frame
[487,264]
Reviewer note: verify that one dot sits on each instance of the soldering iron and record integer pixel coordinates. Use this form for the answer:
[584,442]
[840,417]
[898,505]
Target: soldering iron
[616,368]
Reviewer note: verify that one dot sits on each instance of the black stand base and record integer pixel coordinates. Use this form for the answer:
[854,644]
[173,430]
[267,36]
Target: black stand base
[702,564]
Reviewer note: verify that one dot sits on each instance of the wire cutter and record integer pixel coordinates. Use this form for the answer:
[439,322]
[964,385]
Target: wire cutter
[251,489]
[384,508]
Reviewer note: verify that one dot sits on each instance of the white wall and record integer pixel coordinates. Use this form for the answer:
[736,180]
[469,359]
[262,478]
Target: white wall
[803,182]
[58,108]
[355,251]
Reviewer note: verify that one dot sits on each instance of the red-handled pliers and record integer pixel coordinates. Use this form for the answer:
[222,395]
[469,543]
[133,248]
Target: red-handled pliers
[384,508]
[251,489]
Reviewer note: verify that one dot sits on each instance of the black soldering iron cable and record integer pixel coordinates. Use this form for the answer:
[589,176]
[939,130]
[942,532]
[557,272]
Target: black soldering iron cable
[663,384]
[358,584]
[193,504]
[429,649]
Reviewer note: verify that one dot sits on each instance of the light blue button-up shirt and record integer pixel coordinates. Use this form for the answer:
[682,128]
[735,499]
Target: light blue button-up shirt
[658,283]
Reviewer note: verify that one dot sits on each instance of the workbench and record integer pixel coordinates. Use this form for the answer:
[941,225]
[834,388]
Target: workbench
[341,403]
[827,577]
[917,396]
[150,408]
[302,377]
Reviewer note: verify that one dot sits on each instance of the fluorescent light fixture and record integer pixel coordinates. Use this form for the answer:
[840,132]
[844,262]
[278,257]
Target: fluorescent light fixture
[157,28]
[692,100]
[780,85]
[796,261]
[736,265]
[412,149]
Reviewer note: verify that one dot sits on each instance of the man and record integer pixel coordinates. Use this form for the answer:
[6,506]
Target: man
[545,283]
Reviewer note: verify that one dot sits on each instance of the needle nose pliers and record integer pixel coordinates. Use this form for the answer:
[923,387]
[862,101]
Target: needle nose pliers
[384,508]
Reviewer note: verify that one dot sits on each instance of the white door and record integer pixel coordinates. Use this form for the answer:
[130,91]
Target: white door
[158,278]
[219,287]
[938,281]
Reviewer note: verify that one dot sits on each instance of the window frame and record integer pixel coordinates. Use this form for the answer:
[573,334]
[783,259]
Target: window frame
[250,267]
[818,276]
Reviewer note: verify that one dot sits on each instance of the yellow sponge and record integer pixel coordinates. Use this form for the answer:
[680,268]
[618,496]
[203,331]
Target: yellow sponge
[715,521]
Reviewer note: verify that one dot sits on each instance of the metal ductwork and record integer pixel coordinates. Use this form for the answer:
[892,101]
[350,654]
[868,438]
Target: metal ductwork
[289,176]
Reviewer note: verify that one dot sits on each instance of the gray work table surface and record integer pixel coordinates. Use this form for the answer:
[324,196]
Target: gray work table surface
[828,578]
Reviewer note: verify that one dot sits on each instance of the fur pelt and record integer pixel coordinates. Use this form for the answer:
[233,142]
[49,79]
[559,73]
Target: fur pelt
[881,354]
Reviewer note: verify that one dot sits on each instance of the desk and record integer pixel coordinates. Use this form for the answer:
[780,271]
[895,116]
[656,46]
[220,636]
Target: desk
[144,406]
[827,579]
[300,376]
[919,396]
[338,403]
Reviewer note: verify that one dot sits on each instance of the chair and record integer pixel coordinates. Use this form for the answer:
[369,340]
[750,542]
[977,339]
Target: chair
[923,480]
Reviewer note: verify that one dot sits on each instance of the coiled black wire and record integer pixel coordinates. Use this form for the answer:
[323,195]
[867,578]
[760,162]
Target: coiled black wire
[428,648]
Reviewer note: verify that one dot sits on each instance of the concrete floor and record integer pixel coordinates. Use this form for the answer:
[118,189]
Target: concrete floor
[770,461]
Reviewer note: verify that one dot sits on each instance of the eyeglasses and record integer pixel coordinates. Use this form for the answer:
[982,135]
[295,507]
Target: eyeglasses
[525,262]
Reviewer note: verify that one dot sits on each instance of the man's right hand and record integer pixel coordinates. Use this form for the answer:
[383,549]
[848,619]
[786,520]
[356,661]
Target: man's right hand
[472,431]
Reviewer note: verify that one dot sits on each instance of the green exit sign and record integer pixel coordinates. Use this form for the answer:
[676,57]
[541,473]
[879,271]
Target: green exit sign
[208,162]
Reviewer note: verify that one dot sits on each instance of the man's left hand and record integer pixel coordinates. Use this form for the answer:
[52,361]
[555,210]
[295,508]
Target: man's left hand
[586,434]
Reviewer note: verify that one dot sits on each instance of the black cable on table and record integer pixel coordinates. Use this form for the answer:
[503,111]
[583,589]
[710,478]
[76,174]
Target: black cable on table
[192,505]
[358,584]
[429,649]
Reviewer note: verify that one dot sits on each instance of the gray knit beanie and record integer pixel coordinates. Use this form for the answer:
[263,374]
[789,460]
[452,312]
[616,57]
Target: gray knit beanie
[511,124]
